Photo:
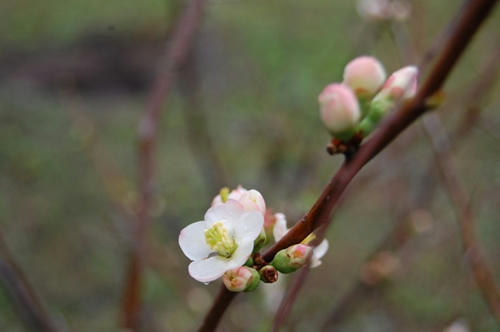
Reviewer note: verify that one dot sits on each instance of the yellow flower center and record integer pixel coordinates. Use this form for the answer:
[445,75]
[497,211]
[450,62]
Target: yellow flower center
[219,240]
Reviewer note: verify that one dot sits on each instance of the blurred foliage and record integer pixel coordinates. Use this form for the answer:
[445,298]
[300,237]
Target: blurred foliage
[68,164]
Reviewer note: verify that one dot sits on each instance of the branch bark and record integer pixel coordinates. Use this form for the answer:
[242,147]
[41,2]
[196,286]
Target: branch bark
[468,22]
[175,54]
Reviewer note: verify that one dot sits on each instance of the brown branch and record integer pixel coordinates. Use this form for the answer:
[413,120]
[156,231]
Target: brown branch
[22,293]
[174,56]
[474,13]
[401,232]
[461,202]
[221,302]
[288,300]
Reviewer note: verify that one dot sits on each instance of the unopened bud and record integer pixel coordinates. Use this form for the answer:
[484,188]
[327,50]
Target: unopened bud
[241,279]
[268,274]
[252,200]
[339,109]
[260,241]
[292,258]
[401,84]
[365,75]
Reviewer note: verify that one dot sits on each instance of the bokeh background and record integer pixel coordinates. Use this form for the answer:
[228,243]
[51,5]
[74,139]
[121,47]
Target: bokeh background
[74,81]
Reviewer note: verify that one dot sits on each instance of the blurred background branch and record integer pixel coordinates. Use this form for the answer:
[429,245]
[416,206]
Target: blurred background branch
[462,204]
[175,55]
[28,303]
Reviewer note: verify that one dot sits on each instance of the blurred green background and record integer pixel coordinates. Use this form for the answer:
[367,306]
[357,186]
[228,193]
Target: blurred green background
[74,79]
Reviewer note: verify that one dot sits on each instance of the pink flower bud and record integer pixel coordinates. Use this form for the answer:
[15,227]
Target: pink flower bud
[292,258]
[241,279]
[365,76]
[252,200]
[339,108]
[401,84]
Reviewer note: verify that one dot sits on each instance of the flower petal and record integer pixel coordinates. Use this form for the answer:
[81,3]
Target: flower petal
[212,268]
[237,193]
[252,200]
[314,262]
[248,226]
[321,249]
[192,241]
[318,252]
[209,269]
[229,211]
[279,229]
[240,256]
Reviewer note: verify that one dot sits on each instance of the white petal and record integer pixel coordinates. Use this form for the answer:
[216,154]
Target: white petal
[212,268]
[318,252]
[229,211]
[252,200]
[314,262]
[242,253]
[248,227]
[217,200]
[209,269]
[321,249]
[192,241]
[237,193]
[279,229]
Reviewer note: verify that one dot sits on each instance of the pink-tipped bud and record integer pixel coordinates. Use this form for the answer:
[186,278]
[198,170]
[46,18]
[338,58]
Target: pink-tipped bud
[241,279]
[339,108]
[365,75]
[401,84]
[252,200]
[292,258]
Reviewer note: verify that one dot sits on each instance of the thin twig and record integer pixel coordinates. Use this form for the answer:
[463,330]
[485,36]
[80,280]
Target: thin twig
[476,95]
[27,301]
[461,202]
[286,304]
[174,56]
[461,34]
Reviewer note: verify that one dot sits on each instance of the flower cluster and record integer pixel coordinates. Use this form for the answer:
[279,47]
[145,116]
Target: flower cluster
[356,106]
[226,243]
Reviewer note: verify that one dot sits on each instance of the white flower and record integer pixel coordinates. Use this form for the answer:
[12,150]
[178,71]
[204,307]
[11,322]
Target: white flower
[280,229]
[251,200]
[222,241]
